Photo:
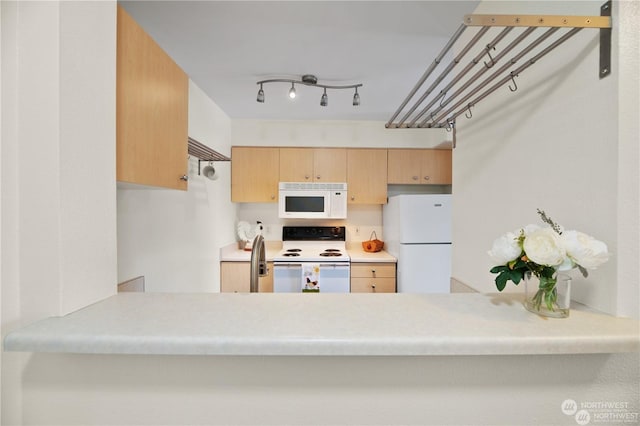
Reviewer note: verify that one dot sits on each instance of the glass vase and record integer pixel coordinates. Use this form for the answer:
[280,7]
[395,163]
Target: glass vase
[550,298]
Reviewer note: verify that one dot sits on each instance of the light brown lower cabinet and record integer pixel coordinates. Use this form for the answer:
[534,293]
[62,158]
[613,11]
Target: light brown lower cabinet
[373,277]
[234,278]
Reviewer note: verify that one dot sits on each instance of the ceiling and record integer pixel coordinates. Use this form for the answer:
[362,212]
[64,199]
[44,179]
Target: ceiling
[226,46]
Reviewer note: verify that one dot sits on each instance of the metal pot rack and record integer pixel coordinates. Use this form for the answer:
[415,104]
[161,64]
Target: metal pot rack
[440,108]
[204,153]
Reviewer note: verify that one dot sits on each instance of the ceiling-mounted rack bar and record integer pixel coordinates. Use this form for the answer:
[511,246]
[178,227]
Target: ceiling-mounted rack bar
[442,107]
[497,73]
[557,21]
[461,74]
[203,152]
[511,76]
[446,72]
[428,72]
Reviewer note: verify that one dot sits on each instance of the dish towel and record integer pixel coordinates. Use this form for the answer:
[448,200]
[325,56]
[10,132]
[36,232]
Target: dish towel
[311,278]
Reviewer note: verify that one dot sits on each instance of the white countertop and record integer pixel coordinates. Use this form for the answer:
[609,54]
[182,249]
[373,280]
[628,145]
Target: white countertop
[231,253]
[358,255]
[322,324]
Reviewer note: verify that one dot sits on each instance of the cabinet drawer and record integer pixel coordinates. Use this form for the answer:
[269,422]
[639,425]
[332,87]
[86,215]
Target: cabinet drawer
[369,285]
[373,270]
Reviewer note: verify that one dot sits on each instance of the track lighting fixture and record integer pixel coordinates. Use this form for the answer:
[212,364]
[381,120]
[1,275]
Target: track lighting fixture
[324,100]
[260,95]
[309,80]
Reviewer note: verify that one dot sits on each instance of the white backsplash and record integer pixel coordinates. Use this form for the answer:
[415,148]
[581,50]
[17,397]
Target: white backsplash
[361,220]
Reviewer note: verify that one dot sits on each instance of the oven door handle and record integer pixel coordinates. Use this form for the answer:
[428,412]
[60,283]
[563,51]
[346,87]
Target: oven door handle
[287,265]
[335,265]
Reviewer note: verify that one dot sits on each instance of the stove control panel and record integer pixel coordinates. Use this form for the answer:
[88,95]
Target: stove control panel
[314,233]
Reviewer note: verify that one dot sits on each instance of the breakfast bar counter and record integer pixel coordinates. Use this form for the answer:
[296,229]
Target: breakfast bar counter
[322,324]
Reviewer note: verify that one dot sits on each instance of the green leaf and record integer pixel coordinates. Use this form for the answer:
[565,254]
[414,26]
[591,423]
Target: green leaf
[520,264]
[547,272]
[515,276]
[497,269]
[583,271]
[501,280]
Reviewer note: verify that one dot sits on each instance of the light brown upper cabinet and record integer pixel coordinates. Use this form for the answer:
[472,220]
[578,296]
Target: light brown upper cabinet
[367,176]
[254,174]
[313,164]
[419,166]
[152,95]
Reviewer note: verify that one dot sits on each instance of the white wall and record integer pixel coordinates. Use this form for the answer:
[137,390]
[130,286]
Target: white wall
[356,134]
[555,144]
[460,390]
[628,42]
[173,238]
[58,167]
[1,149]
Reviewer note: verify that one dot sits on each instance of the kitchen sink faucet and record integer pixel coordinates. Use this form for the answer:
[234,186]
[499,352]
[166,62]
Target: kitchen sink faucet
[258,263]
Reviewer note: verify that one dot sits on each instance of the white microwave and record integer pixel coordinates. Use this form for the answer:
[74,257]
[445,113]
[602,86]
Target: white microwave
[299,200]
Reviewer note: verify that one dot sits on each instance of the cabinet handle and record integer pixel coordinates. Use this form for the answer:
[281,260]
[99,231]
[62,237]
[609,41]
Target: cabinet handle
[353,198]
[184,178]
[307,177]
[273,197]
[318,177]
[373,272]
[426,178]
[414,177]
[373,287]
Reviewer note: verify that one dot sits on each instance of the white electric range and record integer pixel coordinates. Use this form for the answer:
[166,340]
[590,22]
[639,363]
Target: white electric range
[313,259]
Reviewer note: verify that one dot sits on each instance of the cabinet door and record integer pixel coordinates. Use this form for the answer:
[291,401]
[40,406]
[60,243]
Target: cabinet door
[151,111]
[373,285]
[296,165]
[419,166]
[436,166]
[367,176]
[370,277]
[404,166]
[235,278]
[254,174]
[373,270]
[330,165]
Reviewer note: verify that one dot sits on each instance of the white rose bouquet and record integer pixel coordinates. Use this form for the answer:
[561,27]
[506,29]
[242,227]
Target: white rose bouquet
[543,251]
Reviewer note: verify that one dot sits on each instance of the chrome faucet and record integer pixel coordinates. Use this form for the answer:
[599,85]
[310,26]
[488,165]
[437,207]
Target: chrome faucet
[258,263]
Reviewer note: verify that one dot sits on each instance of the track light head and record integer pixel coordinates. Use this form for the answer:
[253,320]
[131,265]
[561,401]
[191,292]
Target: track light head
[356,98]
[292,91]
[324,100]
[260,97]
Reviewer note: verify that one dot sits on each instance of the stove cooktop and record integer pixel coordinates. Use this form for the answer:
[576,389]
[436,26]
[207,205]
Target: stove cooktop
[313,244]
[313,253]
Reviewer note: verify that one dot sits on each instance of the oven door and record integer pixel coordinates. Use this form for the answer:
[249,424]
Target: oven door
[287,277]
[334,277]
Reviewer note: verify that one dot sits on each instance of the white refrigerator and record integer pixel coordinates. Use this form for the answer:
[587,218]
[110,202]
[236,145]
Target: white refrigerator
[417,231]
